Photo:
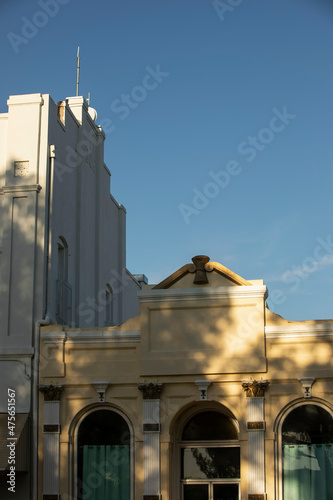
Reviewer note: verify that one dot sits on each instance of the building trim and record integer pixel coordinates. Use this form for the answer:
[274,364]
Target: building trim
[207,293]
[92,337]
[73,434]
[299,330]
[19,352]
[21,189]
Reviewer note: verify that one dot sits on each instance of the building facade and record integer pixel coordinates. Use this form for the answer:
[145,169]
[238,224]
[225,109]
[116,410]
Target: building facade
[205,395]
[62,251]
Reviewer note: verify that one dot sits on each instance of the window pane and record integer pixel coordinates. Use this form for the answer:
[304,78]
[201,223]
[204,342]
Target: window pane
[195,491]
[104,432]
[104,427]
[307,437]
[308,472]
[210,463]
[308,424]
[209,426]
[226,492]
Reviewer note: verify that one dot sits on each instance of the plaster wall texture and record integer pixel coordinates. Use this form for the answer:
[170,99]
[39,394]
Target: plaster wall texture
[183,335]
[62,238]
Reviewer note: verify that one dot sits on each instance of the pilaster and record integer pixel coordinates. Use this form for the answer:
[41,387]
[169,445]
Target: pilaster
[51,439]
[255,396]
[151,428]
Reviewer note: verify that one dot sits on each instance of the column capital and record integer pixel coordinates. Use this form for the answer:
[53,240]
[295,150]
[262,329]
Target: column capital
[151,391]
[255,388]
[51,392]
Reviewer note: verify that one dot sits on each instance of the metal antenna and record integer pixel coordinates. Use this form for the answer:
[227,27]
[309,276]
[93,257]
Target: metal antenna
[77,71]
[88,98]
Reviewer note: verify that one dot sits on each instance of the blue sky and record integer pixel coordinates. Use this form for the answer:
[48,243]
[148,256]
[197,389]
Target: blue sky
[218,120]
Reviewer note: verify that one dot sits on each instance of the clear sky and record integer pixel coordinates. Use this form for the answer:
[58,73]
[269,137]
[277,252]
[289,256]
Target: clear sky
[219,127]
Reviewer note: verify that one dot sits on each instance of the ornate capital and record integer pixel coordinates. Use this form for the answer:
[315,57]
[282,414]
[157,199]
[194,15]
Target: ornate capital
[255,388]
[51,392]
[151,391]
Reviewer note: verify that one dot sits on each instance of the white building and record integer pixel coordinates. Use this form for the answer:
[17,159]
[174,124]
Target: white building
[62,249]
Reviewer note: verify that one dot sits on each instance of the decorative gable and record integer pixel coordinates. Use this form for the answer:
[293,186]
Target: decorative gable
[203,319]
[201,272]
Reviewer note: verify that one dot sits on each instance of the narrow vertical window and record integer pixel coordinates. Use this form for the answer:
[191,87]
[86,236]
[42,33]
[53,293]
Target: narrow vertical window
[64,289]
[108,306]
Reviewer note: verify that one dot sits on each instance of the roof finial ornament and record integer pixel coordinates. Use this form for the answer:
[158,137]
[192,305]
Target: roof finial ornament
[200,277]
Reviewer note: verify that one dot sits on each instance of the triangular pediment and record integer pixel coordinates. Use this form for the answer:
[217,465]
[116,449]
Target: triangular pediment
[202,272]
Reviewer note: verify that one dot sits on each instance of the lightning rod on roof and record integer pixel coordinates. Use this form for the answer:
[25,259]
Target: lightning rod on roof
[77,70]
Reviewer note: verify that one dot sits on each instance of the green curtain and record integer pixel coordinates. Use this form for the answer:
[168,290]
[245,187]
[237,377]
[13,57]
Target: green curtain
[106,472]
[308,472]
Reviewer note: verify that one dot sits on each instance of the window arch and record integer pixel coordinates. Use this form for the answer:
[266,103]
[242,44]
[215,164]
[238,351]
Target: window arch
[103,456]
[209,457]
[306,453]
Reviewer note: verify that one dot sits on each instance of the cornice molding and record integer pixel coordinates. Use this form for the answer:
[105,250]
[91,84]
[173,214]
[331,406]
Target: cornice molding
[206,293]
[299,330]
[91,336]
[25,99]
[21,188]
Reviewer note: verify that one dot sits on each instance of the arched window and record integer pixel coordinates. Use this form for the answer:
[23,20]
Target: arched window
[103,468]
[210,458]
[307,454]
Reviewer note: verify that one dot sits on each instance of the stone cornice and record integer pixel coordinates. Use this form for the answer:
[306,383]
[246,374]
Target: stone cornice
[91,336]
[20,188]
[25,99]
[207,293]
[298,330]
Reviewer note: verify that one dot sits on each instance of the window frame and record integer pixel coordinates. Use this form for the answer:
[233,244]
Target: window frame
[210,482]
[74,438]
[179,482]
[278,442]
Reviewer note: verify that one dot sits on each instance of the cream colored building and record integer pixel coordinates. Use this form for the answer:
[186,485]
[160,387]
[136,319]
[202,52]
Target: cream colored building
[205,395]
[62,252]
